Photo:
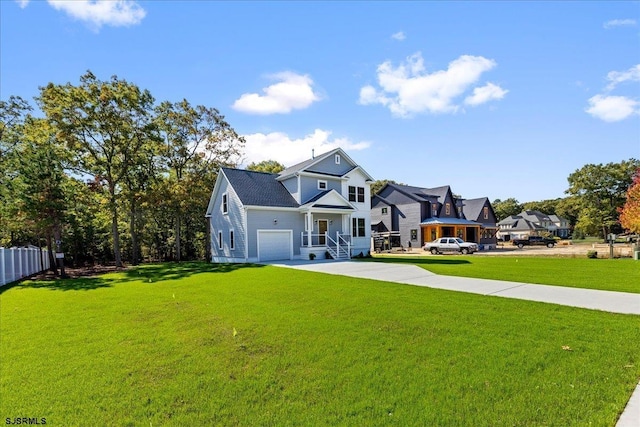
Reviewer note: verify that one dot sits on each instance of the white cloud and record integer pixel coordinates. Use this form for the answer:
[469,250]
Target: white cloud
[484,94]
[292,92]
[617,77]
[280,147]
[619,23]
[612,108]
[118,13]
[399,36]
[409,89]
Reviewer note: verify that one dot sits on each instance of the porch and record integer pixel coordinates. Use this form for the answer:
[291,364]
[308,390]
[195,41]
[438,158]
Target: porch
[325,246]
[434,228]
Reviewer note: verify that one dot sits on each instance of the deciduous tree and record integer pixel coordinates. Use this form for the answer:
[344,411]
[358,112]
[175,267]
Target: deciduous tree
[105,123]
[269,166]
[196,142]
[600,192]
[630,212]
[505,208]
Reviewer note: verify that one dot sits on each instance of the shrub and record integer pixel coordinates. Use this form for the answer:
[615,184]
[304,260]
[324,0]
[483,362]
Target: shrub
[312,256]
[592,254]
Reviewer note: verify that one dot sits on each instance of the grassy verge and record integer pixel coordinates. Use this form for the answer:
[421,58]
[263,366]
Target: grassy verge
[247,345]
[621,275]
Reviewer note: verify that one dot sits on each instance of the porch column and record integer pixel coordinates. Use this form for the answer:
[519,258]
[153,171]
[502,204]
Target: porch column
[309,219]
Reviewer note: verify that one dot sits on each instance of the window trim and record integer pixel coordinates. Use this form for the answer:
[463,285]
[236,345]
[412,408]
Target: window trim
[486,212]
[360,191]
[352,196]
[356,227]
[384,211]
[447,208]
[320,182]
[337,159]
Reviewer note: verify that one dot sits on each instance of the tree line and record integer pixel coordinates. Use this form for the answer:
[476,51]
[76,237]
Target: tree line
[105,174]
[601,199]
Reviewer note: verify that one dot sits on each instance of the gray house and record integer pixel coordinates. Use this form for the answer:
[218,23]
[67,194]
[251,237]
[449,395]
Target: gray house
[530,222]
[413,216]
[320,206]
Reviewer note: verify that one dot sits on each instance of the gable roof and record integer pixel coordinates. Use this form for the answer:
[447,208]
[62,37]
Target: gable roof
[259,188]
[415,193]
[308,164]
[329,199]
[472,208]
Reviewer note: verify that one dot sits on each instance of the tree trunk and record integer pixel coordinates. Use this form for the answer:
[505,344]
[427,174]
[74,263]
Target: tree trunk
[52,258]
[57,234]
[114,227]
[178,248]
[134,234]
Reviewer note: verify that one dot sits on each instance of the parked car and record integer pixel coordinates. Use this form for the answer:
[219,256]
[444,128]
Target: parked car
[450,244]
[534,241]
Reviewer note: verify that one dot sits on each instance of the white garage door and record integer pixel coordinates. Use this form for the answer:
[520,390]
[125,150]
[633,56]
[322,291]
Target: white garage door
[275,245]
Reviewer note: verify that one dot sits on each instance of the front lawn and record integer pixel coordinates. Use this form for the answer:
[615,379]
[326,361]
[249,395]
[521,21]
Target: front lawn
[621,275]
[201,344]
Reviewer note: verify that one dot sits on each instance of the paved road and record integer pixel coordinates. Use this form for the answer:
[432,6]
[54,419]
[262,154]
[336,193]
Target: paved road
[615,302]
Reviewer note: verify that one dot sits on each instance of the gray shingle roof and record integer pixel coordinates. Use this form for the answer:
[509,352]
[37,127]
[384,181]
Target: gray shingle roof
[473,208]
[259,188]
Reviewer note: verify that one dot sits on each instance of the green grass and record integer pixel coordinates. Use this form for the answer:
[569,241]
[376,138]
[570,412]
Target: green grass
[621,275]
[201,344]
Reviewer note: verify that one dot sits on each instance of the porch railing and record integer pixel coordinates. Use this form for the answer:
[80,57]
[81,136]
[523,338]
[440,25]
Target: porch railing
[338,248]
[316,239]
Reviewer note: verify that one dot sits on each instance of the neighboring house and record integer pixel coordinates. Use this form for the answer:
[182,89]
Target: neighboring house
[319,206]
[532,223]
[416,215]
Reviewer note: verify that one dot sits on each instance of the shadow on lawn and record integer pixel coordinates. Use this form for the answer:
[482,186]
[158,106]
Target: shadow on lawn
[175,271]
[79,284]
[419,261]
[148,273]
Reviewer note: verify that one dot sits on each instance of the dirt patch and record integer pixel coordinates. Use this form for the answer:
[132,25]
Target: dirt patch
[622,250]
[75,272]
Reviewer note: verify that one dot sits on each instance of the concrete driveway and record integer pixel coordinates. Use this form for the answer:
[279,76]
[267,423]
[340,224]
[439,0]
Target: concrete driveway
[615,302]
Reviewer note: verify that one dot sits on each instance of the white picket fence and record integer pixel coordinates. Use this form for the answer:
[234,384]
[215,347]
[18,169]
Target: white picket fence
[16,263]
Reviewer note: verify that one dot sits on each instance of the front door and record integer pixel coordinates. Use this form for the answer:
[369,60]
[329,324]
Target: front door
[323,226]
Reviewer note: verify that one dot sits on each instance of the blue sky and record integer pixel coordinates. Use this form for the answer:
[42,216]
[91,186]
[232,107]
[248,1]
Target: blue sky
[496,99]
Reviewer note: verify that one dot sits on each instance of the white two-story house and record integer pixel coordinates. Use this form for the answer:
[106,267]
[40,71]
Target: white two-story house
[320,206]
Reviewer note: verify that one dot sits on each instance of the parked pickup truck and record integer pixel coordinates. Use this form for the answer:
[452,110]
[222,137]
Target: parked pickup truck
[450,244]
[534,240]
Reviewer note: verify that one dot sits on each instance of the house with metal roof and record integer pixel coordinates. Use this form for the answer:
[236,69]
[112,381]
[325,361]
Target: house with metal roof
[531,222]
[320,206]
[416,215]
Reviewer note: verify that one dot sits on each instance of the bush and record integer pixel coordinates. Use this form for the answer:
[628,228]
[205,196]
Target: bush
[592,254]
[312,256]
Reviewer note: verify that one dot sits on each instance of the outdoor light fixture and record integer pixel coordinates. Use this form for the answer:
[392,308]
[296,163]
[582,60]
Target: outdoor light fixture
[275,220]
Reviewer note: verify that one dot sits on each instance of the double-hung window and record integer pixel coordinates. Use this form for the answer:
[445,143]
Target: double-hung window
[357,227]
[356,194]
[225,204]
